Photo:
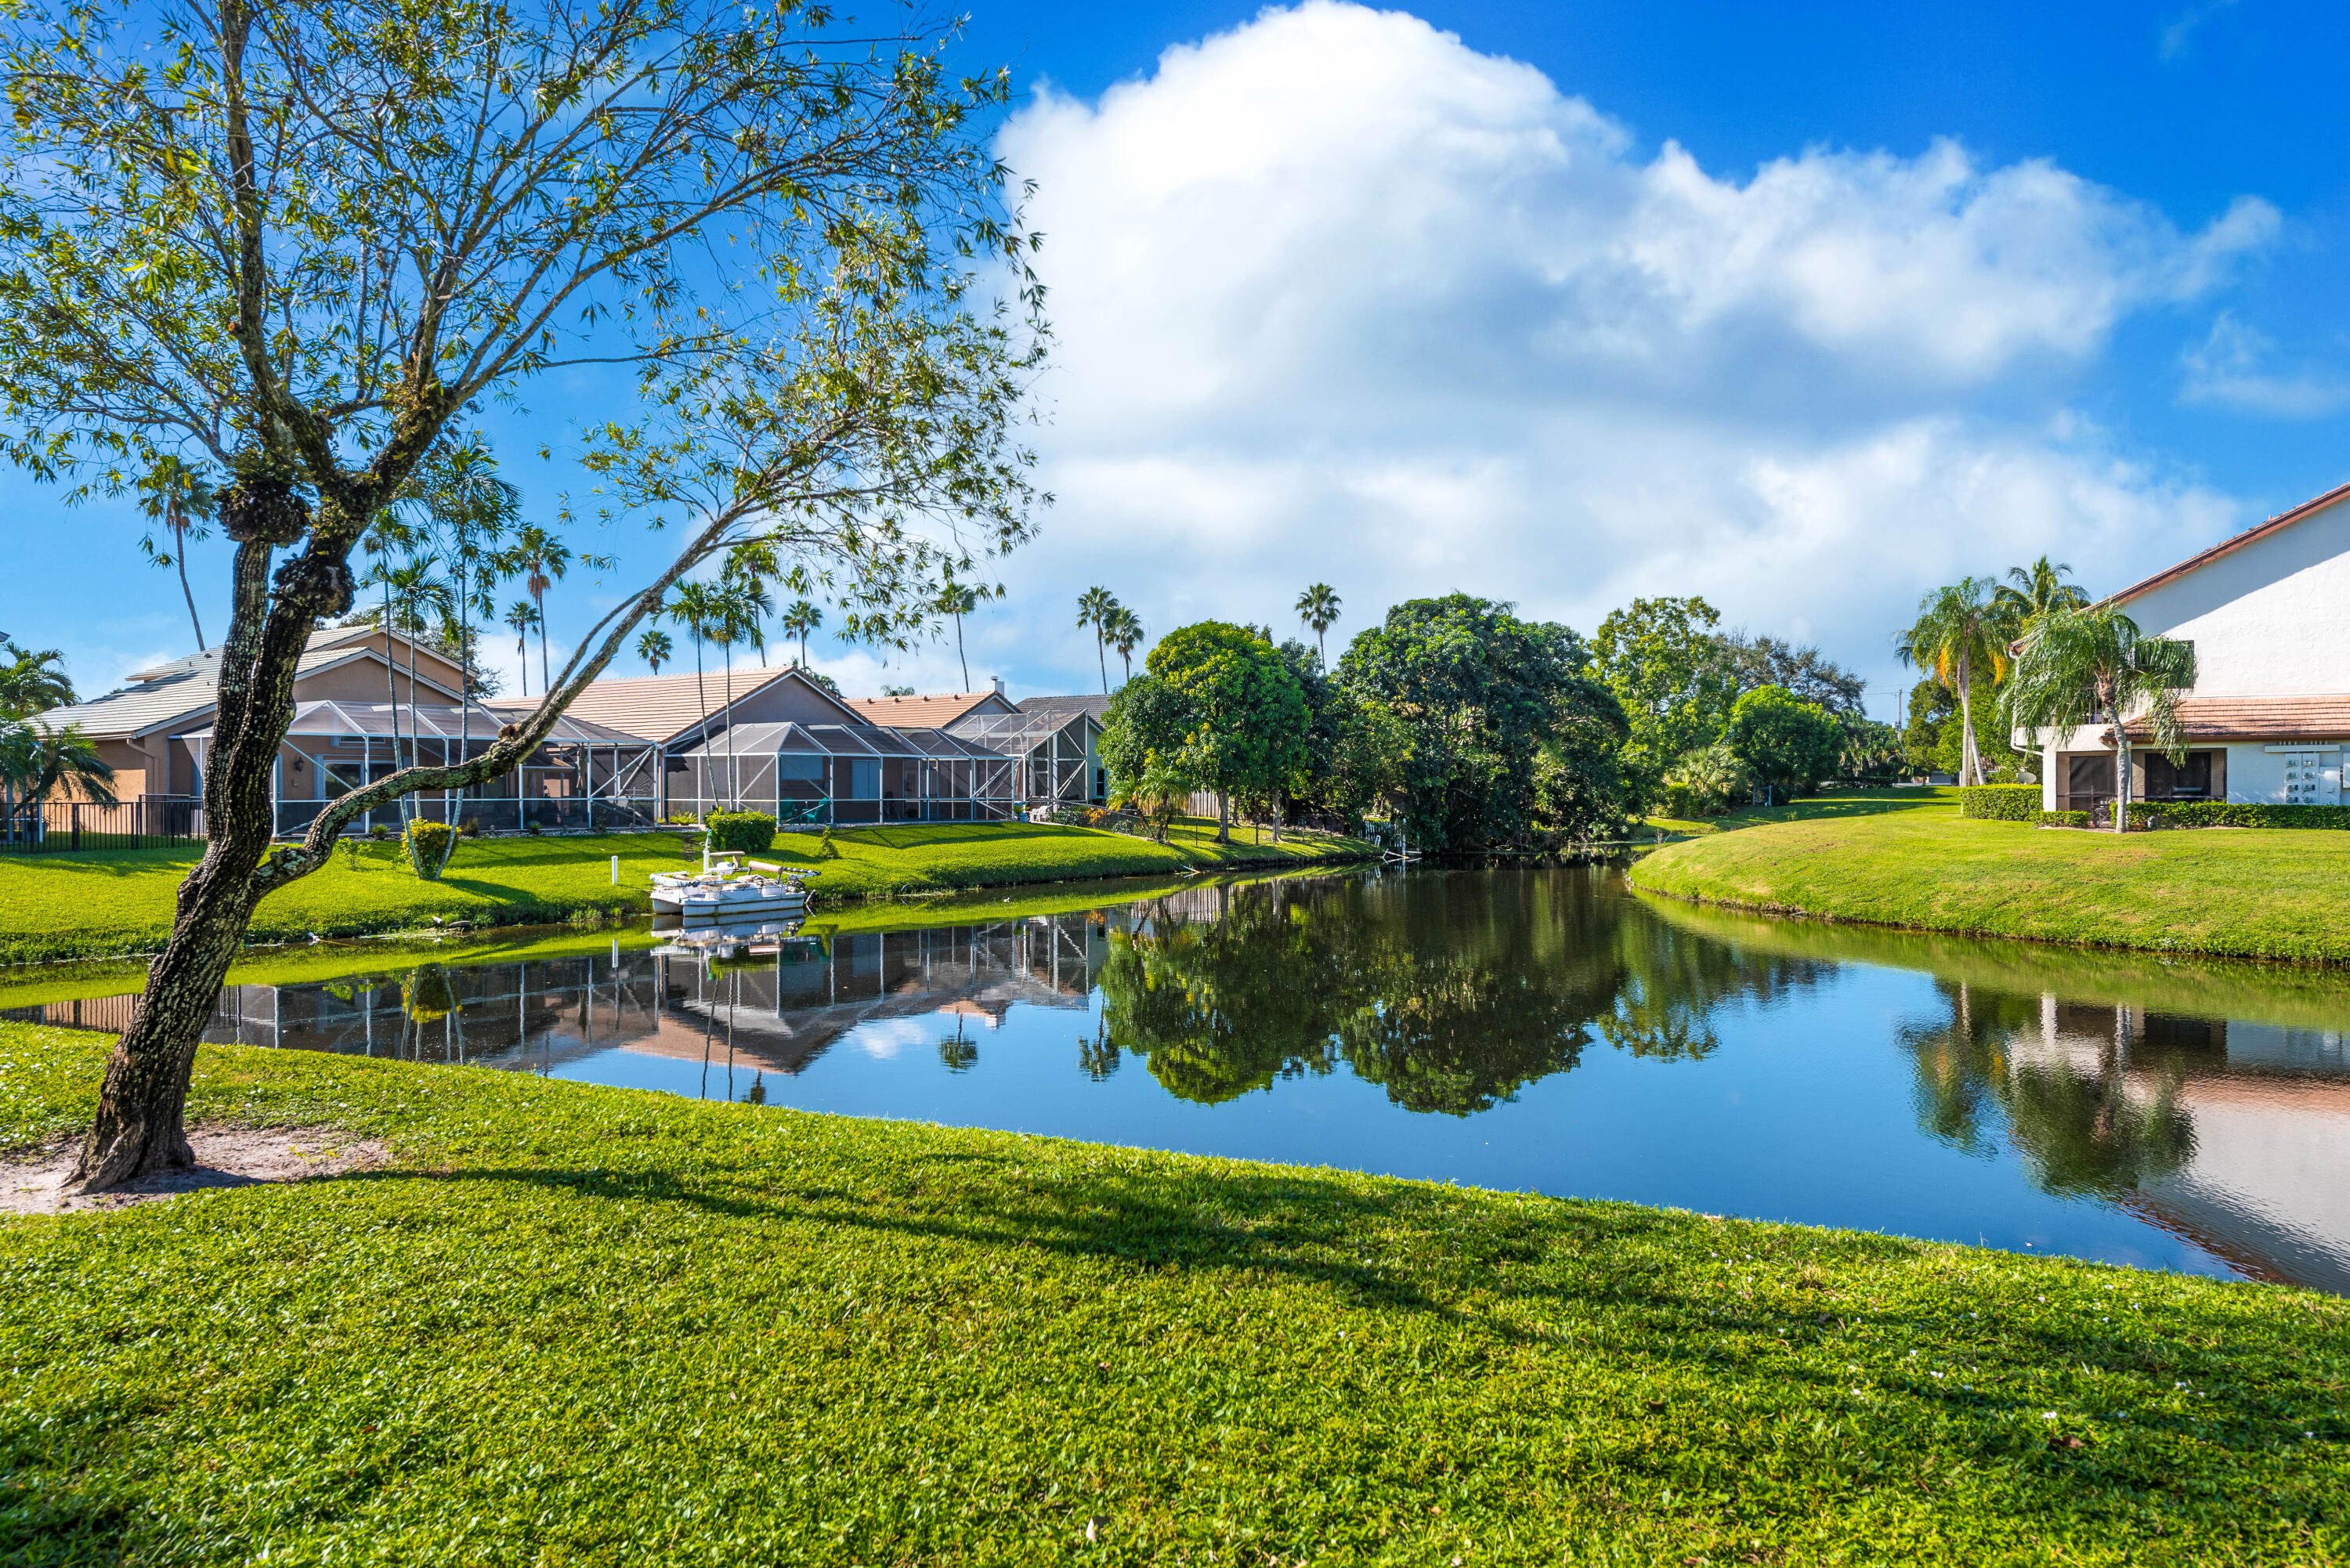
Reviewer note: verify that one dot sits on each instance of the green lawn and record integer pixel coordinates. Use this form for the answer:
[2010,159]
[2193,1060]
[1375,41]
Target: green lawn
[2255,894]
[93,903]
[1848,804]
[584,1325]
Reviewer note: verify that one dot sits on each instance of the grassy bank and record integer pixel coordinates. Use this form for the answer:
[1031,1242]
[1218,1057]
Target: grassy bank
[2263,894]
[95,903]
[1848,804]
[576,1324]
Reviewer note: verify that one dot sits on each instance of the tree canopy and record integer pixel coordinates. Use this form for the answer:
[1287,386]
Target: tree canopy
[1787,743]
[1672,677]
[1481,697]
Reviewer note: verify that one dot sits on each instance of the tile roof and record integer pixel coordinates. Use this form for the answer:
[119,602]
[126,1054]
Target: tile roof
[2256,719]
[931,712]
[2230,545]
[660,706]
[184,691]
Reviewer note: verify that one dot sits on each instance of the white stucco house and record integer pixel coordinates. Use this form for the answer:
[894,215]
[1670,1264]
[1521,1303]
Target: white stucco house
[2268,614]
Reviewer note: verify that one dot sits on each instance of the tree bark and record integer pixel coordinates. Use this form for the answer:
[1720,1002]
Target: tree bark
[139,1128]
[1970,761]
[2121,771]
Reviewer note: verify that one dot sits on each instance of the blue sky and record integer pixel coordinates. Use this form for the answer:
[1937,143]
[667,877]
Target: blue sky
[1802,306]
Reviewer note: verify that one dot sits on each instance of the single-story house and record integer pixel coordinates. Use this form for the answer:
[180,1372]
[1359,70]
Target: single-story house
[1055,741]
[2268,613]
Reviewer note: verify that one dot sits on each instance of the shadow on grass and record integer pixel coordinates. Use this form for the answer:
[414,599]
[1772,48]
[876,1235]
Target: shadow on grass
[924,834]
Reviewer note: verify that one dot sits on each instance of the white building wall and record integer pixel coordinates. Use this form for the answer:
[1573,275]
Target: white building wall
[2272,619]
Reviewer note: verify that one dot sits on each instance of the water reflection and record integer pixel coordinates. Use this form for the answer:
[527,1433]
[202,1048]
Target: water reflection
[1540,1030]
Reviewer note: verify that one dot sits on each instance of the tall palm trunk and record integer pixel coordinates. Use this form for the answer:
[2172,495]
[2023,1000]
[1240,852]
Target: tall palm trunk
[2121,762]
[178,520]
[958,655]
[1970,759]
[701,700]
[1101,653]
[733,772]
[391,692]
[538,601]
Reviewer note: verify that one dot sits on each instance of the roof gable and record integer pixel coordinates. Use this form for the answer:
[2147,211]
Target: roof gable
[2229,547]
[670,708]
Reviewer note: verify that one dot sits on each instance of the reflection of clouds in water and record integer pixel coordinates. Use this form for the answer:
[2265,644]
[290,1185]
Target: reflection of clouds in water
[884,1038]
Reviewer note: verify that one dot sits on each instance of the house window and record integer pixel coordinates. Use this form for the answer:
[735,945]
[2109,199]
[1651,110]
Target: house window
[2189,779]
[800,775]
[865,778]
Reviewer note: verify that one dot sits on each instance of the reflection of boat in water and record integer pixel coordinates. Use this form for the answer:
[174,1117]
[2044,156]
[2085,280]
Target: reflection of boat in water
[718,893]
[733,940]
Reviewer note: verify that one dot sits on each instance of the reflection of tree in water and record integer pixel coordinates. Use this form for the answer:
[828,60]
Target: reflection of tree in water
[2082,1130]
[1450,993]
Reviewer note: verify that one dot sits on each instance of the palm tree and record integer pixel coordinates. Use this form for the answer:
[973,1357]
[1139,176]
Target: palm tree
[1125,634]
[540,560]
[958,599]
[2033,591]
[741,601]
[1095,606]
[412,590]
[469,502]
[37,760]
[754,563]
[695,607]
[183,500]
[654,647]
[28,684]
[2098,650]
[800,620]
[522,615]
[1957,633]
[384,534]
[1317,606]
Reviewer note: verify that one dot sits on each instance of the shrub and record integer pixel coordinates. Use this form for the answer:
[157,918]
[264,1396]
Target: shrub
[430,845]
[825,849]
[2064,819]
[2001,803]
[749,831]
[2155,814]
[470,828]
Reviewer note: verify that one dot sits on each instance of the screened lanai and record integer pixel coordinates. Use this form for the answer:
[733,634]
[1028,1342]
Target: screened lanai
[842,775]
[583,776]
[1053,749]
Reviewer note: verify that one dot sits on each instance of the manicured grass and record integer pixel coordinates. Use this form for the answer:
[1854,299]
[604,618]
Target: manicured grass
[576,1324]
[1848,804]
[2271,893]
[96,903]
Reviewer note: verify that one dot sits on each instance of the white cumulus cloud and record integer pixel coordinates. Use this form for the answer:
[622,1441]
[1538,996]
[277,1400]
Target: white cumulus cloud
[1339,298]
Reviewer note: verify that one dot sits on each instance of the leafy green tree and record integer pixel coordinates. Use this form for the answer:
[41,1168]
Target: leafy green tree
[1958,635]
[1244,718]
[1810,675]
[1673,677]
[1788,744]
[1872,751]
[2127,678]
[1145,750]
[1706,781]
[1481,694]
[220,243]
[1581,793]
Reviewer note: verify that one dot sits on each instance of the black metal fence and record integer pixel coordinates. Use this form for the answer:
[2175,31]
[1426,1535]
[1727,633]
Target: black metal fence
[55,826]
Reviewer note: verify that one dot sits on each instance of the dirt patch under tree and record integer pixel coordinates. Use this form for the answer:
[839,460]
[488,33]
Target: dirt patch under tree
[225,1156]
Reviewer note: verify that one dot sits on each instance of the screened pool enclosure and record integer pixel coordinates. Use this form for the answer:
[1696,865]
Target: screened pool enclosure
[584,776]
[841,775]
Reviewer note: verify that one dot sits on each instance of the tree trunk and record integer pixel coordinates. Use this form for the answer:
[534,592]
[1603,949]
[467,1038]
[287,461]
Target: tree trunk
[1223,817]
[1101,653]
[959,654]
[2121,773]
[538,602]
[139,1128]
[180,552]
[1969,762]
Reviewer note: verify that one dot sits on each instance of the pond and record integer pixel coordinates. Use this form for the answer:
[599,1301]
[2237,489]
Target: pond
[1540,1030]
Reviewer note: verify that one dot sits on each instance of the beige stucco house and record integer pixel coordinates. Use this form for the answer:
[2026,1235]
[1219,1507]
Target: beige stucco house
[2268,612]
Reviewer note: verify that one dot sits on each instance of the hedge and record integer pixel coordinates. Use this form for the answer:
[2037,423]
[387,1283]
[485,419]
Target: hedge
[2154,814]
[2000,802]
[2064,819]
[749,831]
[430,845]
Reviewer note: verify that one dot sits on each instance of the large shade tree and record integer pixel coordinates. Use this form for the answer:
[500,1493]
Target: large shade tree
[2094,663]
[1483,698]
[304,242]
[1672,675]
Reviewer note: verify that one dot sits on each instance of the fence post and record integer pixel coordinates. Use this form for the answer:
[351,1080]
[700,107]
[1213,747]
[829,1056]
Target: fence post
[76,824]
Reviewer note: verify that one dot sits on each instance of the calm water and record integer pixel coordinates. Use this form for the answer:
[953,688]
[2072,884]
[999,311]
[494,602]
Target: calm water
[1538,1030]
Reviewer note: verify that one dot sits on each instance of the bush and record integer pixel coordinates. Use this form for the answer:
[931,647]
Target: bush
[2064,819]
[749,831]
[430,845]
[470,828]
[2155,814]
[2001,803]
